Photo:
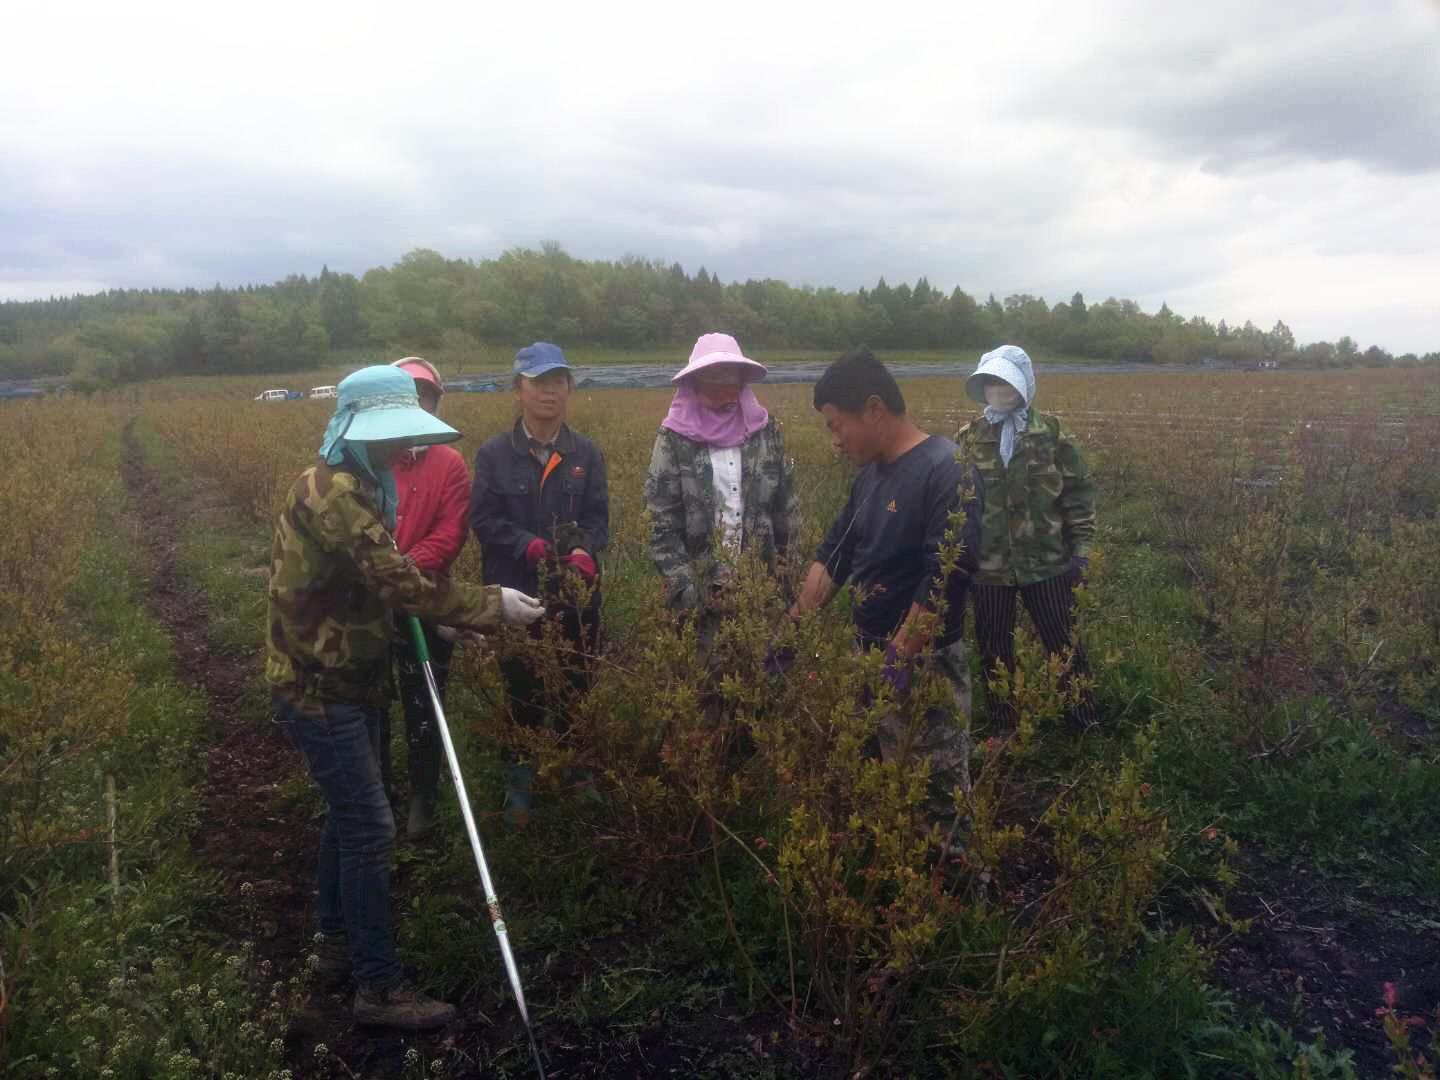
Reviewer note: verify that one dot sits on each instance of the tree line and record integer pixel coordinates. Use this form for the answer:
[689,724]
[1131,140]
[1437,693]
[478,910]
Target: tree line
[428,303]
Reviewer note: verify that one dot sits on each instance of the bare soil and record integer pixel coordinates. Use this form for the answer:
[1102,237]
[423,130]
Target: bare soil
[1319,960]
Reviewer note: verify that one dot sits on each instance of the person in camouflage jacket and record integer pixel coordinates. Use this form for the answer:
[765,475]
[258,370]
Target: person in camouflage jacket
[1039,519]
[335,577]
[718,468]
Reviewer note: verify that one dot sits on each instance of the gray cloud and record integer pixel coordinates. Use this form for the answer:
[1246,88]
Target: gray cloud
[1237,162]
[1326,82]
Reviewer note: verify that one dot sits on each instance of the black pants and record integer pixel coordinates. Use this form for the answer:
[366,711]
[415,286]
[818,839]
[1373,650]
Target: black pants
[525,693]
[1051,605]
[421,735]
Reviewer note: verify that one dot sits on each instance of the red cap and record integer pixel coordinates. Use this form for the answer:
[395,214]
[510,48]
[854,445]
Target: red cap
[418,368]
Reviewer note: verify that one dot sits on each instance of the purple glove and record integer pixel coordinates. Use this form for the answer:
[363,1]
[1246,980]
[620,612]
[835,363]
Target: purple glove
[896,671]
[1079,568]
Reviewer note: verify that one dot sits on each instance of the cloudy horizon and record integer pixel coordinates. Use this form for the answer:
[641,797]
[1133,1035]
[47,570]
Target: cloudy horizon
[1232,162]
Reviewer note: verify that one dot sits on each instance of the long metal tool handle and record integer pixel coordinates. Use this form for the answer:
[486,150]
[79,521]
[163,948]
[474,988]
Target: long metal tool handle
[492,901]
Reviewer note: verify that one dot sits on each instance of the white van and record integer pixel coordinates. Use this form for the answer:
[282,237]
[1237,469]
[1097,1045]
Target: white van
[321,392]
[272,395]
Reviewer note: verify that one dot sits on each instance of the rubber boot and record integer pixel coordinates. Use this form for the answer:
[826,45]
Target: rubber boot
[332,952]
[425,754]
[517,795]
[421,818]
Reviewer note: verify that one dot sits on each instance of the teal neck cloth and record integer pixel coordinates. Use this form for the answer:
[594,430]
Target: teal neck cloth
[335,449]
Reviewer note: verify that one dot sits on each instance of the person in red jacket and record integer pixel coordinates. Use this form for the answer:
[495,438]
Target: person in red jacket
[433,485]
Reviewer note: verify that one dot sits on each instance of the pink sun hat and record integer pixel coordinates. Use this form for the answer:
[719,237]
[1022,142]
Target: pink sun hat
[713,349]
[420,369]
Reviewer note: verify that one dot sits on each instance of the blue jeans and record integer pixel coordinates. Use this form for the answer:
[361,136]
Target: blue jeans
[340,744]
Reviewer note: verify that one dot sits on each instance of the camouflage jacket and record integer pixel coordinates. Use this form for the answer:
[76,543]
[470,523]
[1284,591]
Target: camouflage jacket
[1039,511]
[335,576]
[680,495]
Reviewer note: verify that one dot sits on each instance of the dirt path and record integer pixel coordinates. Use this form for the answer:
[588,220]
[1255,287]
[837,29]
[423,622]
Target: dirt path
[243,834]
[247,834]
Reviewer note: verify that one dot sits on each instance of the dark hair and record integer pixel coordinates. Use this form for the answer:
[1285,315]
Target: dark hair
[854,379]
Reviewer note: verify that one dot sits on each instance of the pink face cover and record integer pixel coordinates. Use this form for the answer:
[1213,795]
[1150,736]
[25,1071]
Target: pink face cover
[690,417]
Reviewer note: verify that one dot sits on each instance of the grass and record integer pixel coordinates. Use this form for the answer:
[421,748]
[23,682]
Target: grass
[1352,808]
[129,984]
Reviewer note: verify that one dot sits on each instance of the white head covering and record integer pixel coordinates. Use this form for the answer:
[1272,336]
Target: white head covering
[1010,364]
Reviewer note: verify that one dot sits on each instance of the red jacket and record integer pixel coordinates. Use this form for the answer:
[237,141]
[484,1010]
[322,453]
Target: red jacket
[434,490]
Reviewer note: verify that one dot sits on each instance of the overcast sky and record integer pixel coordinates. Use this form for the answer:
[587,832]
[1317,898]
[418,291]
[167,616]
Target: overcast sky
[1238,160]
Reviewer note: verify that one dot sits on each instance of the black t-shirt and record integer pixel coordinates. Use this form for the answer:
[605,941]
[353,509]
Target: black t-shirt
[886,541]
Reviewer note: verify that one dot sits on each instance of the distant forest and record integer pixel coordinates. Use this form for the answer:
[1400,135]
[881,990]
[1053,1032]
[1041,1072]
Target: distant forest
[427,303]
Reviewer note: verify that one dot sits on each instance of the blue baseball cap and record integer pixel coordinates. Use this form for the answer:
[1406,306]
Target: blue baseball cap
[539,358]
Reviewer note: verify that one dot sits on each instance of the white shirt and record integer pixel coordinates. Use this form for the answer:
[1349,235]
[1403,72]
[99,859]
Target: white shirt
[533,452]
[725,472]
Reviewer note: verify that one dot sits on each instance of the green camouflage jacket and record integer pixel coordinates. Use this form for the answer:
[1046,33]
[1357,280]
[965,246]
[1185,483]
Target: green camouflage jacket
[680,495]
[335,576]
[1040,511]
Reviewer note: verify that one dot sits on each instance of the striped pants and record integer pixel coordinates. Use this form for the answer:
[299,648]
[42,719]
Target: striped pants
[1051,605]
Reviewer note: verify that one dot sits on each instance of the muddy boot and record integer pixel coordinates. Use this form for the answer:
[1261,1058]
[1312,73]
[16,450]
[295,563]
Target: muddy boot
[401,1006]
[421,818]
[517,796]
[332,960]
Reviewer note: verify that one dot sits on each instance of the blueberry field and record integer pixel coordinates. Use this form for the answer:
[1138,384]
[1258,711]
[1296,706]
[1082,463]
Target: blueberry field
[1234,875]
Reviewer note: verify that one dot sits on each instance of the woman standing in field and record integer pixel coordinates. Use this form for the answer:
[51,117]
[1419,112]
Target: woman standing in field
[433,488]
[1039,520]
[335,577]
[540,504]
[718,469]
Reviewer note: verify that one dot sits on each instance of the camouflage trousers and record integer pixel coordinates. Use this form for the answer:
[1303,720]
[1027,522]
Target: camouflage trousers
[943,736]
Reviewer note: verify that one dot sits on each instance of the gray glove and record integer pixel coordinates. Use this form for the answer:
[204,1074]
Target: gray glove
[462,639]
[517,608]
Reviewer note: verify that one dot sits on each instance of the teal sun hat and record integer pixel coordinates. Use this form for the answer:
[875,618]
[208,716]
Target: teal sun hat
[378,404]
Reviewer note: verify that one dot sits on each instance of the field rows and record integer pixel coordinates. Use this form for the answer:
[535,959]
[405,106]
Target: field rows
[1262,614]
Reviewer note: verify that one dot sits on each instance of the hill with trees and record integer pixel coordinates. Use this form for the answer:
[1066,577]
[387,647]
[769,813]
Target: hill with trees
[426,302]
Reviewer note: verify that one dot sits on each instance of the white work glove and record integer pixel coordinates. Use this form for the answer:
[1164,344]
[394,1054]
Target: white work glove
[519,609]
